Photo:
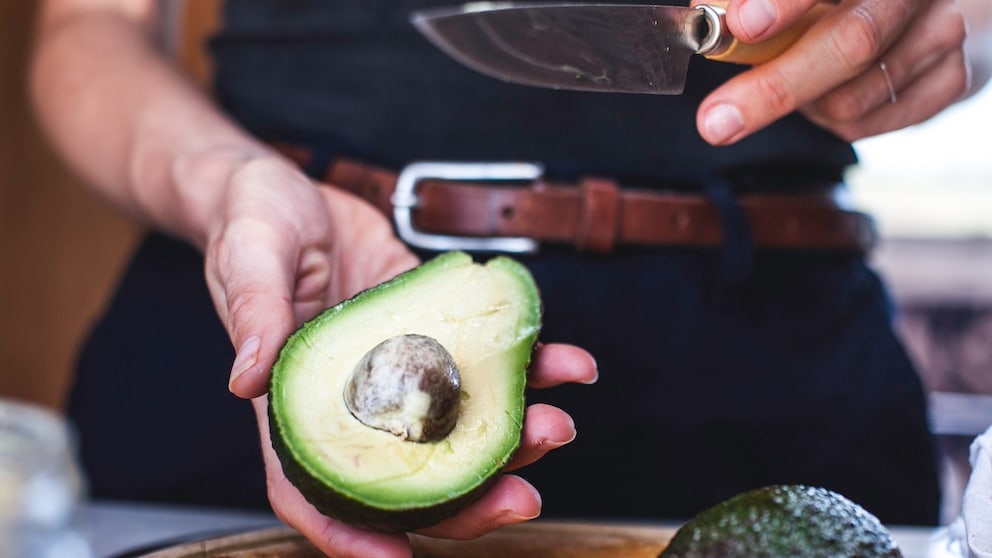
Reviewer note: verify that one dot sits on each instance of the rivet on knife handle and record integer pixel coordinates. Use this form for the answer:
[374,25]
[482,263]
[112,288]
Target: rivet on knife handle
[718,44]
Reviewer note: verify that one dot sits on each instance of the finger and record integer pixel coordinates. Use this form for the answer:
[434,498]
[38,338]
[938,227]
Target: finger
[841,46]
[510,500]
[556,363]
[930,39]
[331,537]
[920,101]
[313,282]
[756,20]
[545,428]
[367,233]
[255,301]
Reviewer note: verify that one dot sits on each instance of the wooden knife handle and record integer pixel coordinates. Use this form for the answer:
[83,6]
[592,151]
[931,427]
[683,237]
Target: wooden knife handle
[736,51]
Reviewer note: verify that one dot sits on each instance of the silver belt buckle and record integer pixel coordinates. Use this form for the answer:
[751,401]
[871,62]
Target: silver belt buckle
[404,199]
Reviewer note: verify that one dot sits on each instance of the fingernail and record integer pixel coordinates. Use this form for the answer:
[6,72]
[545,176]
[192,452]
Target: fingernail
[510,516]
[245,359]
[756,16]
[551,443]
[570,437]
[595,376]
[722,123]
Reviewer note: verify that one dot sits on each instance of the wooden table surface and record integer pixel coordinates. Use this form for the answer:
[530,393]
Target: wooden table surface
[123,529]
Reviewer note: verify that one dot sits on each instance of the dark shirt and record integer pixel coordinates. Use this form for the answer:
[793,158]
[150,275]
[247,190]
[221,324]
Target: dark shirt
[711,382]
[357,77]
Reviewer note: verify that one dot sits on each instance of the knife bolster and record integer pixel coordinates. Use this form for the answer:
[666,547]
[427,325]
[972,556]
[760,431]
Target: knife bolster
[711,32]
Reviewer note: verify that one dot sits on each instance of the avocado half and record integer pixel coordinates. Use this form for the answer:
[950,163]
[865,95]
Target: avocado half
[486,316]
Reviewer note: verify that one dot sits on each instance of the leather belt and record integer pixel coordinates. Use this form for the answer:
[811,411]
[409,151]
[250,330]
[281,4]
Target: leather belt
[445,206]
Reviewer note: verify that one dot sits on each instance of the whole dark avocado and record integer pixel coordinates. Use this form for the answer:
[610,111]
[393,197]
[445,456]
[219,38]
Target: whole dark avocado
[783,521]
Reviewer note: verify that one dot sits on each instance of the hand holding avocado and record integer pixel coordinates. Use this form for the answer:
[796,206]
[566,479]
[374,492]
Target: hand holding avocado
[281,248]
[268,274]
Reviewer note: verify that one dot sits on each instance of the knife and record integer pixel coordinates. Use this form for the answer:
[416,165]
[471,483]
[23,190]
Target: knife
[628,48]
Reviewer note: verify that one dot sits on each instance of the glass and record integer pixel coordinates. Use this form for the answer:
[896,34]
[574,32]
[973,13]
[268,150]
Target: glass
[41,485]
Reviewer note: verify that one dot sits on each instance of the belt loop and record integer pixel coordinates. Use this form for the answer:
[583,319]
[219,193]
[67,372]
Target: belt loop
[318,163]
[600,218]
[736,249]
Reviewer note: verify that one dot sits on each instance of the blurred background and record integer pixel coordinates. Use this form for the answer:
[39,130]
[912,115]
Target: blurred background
[930,187]
[60,249]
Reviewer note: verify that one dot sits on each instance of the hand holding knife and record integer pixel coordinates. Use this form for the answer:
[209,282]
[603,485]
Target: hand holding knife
[628,48]
[865,56]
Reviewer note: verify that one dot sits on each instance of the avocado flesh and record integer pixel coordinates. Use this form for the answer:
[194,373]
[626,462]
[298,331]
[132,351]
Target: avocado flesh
[783,520]
[486,316]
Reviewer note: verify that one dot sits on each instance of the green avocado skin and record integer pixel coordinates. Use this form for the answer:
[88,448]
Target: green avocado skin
[783,521]
[358,513]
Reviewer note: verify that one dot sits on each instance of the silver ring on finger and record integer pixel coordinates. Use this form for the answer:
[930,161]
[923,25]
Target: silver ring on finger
[888,81]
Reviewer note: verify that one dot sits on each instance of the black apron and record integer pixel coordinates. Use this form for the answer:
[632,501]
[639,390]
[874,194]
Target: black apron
[720,370]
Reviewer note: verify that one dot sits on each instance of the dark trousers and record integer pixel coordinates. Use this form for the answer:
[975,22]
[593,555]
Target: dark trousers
[708,387]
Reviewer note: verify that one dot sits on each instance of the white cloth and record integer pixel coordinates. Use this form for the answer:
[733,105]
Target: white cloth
[976,511]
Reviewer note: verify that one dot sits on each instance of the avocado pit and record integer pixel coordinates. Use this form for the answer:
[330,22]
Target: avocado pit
[408,385]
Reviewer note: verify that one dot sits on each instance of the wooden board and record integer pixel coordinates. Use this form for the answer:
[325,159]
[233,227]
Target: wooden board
[536,539]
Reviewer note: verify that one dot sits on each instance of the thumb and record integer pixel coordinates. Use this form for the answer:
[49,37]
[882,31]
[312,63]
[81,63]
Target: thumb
[257,349]
[254,300]
[757,20]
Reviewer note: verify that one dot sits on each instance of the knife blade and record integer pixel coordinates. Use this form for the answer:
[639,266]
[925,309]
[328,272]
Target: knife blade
[627,48]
